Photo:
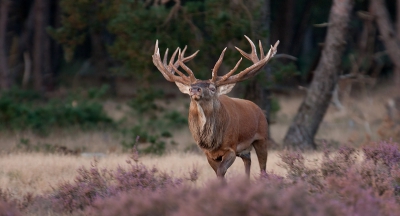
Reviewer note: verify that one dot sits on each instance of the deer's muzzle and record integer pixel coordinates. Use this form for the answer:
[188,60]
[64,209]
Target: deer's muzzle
[195,93]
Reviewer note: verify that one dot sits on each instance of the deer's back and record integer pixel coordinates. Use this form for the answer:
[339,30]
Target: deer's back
[245,116]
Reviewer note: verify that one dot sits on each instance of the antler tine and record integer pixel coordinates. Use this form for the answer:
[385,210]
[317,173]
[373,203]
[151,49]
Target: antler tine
[169,70]
[226,76]
[216,67]
[261,49]
[156,48]
[253,69]
[165,57]
[186,59]
[184,50]
[250,56]
[175,66]
[171,61]
[164,69]
[186,68]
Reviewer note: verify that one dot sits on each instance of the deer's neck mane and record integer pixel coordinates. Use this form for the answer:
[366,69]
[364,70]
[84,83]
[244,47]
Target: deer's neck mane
[206,124]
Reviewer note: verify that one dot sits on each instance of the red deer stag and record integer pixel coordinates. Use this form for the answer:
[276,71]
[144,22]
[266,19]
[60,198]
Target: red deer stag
[223,127]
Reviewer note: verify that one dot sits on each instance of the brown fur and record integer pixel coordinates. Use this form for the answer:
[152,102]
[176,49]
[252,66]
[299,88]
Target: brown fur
[232,127]
[223,127]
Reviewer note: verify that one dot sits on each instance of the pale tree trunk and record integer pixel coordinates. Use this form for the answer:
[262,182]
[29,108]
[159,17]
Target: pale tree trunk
[388,35]
[305,124]
[4,71]
[38,51]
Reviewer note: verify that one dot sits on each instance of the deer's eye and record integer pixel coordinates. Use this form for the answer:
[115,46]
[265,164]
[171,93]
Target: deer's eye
[212,88]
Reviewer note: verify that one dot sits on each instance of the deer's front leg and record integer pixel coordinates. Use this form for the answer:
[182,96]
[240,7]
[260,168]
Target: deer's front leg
[226,161]
[220,161]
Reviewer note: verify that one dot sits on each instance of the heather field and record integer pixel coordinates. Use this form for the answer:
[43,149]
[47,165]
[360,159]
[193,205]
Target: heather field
[346,181]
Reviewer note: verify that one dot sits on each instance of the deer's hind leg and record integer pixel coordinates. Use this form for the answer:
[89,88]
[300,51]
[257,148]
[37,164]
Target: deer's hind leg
[261,148]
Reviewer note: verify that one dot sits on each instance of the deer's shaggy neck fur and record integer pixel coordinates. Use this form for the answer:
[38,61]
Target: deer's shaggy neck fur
[206,122]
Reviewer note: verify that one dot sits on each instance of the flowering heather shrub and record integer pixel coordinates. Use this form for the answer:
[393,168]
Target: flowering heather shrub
[241,197]
[337,163]
[238,197]
[93,183]
[341,185]
[7,209]
[294,163]
[346,182]
[359,197]
[386,152]
[381,169]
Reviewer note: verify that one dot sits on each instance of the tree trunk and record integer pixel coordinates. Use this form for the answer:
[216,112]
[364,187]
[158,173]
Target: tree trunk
[312,110]
[48,80]
[397,70]
[255,91]
[377,7]
[4,71]
[288,16]
[99,54]
[38,51]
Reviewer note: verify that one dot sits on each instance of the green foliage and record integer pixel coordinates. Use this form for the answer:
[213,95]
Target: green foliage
[143,102]
[78,19]
[283,71]
[152,126]
[132,27]
[275,107]
[26,110]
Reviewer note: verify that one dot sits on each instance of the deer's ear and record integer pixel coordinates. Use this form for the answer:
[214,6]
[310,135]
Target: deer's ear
[225,89]
[183,88]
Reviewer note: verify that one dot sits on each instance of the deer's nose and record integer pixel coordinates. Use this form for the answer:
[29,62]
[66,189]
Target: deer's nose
[195,89]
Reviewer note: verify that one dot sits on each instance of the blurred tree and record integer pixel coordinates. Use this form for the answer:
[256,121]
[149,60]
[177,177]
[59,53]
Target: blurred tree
[312,110]
[81,20]
[38,46]
[388,34]
[258,90]
[4,71]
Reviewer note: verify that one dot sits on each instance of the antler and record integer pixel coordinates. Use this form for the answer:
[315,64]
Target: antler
[168,70]
[248,72]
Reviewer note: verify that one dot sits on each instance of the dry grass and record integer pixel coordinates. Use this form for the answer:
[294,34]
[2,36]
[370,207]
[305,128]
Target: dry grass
[37,173]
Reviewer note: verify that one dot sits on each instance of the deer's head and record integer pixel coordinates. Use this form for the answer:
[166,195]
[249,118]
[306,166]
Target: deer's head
[205,90]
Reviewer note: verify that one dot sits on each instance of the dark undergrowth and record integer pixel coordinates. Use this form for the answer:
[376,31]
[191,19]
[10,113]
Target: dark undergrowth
[345,182]
[29,110]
